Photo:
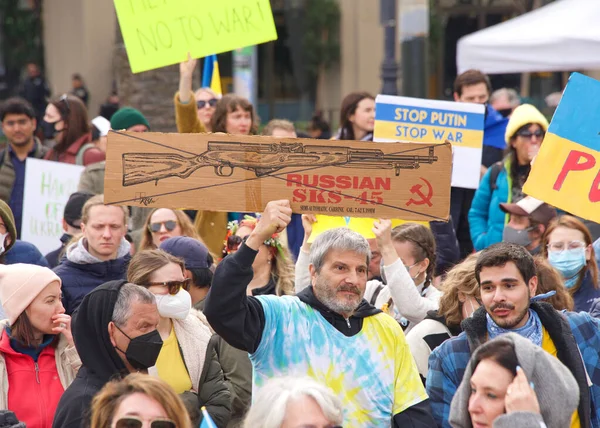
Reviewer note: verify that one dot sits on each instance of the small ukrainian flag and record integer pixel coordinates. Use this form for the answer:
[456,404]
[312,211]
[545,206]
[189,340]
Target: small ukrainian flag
[211,78]
[207,421]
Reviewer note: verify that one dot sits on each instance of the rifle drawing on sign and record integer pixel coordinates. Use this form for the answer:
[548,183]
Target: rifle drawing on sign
[262,159]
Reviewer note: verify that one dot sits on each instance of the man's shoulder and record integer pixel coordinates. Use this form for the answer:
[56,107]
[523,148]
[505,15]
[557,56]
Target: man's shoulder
[583,323]
[455,346]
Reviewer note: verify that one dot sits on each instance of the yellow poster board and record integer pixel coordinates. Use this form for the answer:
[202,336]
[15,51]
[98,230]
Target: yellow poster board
[158,33]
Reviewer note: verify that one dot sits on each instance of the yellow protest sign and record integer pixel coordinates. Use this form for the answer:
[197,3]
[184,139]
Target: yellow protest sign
[161,32]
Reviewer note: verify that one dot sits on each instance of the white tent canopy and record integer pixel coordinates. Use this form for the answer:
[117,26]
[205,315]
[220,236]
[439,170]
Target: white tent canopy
[562,36]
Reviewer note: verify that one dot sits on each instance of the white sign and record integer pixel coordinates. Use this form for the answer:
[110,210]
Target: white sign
[48,186]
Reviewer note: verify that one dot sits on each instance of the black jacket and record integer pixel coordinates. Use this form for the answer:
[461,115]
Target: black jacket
[100,361]
[447,250]
[240,319]
[53,257]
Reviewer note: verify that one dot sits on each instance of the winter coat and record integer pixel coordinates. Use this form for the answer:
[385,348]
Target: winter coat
[24,252]
[200,358]
[486,218]
[99,358]
[7,170]
[90,155]
[586,294]
[555,387]
[80,272]
[575,336]
[61,360]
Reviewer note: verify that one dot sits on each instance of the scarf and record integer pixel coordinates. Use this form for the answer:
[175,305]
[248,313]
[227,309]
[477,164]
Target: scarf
[532,330]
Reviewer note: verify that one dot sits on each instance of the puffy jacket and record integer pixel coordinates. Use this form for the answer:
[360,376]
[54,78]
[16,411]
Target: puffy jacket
[90,155]
[78,279]
[486,219]
[24,252]
[39,385]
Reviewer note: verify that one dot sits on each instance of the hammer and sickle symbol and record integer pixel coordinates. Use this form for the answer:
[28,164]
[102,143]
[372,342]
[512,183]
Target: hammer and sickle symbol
[422,197]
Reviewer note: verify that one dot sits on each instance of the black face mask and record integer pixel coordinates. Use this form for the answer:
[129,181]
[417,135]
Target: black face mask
[49,129]
[143,350]
[505,112]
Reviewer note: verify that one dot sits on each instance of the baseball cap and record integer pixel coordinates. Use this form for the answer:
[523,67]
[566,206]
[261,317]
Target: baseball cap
[192,251]
[72,213]
[533,208]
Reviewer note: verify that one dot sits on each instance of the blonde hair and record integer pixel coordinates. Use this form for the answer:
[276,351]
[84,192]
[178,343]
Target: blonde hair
[144,263]
[110,397]
[95,201]
[283,271]
[460,279]
[208,91]
[274,124]
[184,222]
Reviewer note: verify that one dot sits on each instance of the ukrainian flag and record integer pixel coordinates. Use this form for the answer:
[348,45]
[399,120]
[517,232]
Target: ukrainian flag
[211,78]
[207,421]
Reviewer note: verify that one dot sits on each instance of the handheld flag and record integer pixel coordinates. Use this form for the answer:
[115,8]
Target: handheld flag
[211,78]
[207,421]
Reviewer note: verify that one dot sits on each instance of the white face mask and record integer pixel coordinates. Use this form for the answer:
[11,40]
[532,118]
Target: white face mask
[472,308]
[2,241]
[177,306]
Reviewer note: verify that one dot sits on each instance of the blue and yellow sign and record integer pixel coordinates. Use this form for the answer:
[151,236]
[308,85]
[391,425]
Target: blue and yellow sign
[429,121]
[566,171]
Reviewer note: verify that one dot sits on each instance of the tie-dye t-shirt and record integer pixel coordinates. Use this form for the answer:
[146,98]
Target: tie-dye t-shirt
[372,372]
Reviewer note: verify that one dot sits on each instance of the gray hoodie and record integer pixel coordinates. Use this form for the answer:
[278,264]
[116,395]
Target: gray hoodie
[556,389]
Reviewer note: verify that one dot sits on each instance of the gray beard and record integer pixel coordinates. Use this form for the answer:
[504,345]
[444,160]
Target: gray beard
[328,297]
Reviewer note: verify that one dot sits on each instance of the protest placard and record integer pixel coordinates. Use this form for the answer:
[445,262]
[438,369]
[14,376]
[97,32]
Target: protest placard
[160,32]
[221,172]
[431,121]
[48,186]
[566,171]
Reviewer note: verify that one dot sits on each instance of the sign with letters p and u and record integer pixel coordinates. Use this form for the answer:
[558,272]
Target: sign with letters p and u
[430,121]
[158,33]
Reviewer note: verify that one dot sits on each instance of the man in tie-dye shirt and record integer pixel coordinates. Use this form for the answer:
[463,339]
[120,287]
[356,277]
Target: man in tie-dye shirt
[328,331]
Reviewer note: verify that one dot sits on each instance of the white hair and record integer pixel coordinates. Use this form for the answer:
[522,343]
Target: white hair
[270,404]
[341,239]
[512,97]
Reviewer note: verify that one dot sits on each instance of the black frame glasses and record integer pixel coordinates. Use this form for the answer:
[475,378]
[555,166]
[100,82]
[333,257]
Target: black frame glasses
[202,103]
[170,225]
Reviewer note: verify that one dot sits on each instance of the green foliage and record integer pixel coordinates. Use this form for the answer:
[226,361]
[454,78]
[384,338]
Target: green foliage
[321,42]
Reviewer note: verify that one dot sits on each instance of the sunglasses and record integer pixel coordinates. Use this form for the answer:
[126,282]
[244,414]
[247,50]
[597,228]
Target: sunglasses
[173,286]
[133,422]
[170,225]
[212,102]
[528,134]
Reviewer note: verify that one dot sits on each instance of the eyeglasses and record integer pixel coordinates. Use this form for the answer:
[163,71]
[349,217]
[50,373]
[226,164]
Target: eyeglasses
[170,225]
[65,98]
[558,247]
[134,422]
[527,134]
[212,102]
[173,286]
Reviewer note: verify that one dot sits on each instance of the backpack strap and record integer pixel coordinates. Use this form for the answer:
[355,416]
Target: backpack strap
[496,169]
[81,152]
[376,294]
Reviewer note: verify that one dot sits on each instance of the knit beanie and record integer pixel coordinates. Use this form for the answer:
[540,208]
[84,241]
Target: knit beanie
[127,117]
[9,221]
[19,286]
[522,115]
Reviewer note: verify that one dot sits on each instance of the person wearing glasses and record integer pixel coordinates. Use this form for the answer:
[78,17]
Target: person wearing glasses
[66,123]
[292,402]
[508,282]
[138,401]
[503,182]
[188,359]
[164,223]
[567,244]
[100,254]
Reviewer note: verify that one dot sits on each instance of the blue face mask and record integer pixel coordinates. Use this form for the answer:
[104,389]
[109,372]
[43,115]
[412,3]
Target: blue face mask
[569,263]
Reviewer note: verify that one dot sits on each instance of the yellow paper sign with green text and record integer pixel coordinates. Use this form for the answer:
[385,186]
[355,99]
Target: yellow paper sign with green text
[158,33]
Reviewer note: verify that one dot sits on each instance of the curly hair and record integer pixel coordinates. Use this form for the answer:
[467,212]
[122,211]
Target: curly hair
[459,280]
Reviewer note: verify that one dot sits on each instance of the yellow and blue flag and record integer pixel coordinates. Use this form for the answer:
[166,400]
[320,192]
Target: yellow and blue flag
[207,421]
[211,78]
[566,171]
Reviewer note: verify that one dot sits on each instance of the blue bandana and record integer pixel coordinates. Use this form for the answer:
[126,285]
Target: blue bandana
[532,330]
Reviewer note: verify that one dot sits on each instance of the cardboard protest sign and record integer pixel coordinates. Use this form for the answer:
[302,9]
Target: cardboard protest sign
[430,121]
[219,172]
[160,32]
[566,171]
[48,186]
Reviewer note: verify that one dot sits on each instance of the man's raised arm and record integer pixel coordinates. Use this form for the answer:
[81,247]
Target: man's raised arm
[236,317]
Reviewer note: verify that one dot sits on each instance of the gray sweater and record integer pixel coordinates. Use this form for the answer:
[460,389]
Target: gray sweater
[556,389]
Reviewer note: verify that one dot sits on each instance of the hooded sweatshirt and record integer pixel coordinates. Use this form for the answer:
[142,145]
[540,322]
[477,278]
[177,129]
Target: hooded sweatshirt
[81,272]
[555,387]
[100,361]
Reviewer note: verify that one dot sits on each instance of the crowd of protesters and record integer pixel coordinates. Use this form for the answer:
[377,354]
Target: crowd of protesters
[169,318]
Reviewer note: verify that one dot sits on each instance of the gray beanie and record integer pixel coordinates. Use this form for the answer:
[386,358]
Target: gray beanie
[556,388]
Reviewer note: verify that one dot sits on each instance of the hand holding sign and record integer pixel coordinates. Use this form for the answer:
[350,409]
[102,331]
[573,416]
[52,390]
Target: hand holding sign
[276,216]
